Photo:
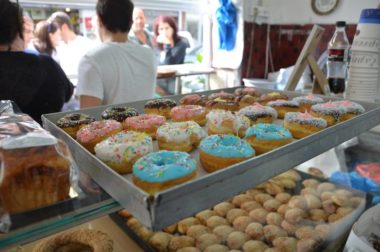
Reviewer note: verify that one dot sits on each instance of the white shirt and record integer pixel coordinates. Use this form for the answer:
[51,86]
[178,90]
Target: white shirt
[70,53]
[118,73]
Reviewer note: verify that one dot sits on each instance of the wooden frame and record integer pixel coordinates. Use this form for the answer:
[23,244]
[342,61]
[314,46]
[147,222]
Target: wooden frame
[306,58]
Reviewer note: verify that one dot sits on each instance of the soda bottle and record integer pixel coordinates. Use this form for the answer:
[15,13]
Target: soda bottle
[338,49]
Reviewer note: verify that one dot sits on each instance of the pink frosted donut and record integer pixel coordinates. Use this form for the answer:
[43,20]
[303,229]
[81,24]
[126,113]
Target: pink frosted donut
[193,99]
[147,123]
[194,113]
[97,131]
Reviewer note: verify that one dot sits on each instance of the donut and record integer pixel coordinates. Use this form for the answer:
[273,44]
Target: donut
[258,113]
[305,102]
[119,113]
[247,91]
[194,113]
[303,124]
[226,122]
[121,150]
[283,106]
[71,123]
[334,112]
[219,103]
[78,240]
[95,132]
[264,137]
[193,99]
[147,123]
[222,95]
[180,136]
[245,100]
[220,151]
[163,169]
[272,96]
[159,107]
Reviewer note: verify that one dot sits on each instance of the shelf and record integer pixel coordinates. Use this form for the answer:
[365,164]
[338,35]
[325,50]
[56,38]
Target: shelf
[36,224]
[169,206]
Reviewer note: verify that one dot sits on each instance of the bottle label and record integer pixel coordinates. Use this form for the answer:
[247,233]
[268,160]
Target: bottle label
[339,55]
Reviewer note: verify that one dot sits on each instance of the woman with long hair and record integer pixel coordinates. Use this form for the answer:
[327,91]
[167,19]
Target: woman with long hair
[47,37]
[170,48]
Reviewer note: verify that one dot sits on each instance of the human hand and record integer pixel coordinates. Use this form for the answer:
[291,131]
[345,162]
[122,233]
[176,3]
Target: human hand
[163,39]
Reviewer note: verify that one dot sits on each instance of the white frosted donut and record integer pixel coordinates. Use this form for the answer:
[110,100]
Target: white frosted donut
[226,122]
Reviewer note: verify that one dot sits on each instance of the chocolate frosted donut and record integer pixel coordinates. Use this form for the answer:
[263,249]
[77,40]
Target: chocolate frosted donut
[71,123]
[119,113]
[160,103]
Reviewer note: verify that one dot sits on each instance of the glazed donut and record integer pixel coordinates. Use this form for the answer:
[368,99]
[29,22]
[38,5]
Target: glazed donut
[163,169]
[147,123]
[222,95]
[194,113]
[78,240]
[121,150]
[193,99]
[180,136]
[303,124]
[218,103]
[71,123]
[264,137]
[283,106]
[247,91]
[258,113]
[220,151]
[272,96]
[97,131]
[226,122]
[119,113]
[160,107]
[334,112]
[305,102]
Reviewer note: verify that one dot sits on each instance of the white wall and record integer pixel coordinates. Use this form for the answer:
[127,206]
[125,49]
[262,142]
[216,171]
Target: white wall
[300,12]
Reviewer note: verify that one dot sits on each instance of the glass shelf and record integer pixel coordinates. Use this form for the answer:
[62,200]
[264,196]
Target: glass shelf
[33,225]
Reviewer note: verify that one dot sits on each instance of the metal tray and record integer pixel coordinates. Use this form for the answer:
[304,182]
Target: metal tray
[169,206]
[339,230]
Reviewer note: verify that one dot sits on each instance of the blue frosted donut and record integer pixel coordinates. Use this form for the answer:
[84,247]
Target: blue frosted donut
[227,146]
[268,131]
[152,171]
[264,137]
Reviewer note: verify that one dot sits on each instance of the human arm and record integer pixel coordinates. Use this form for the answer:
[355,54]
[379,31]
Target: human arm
[89,101]
[90,86]
[176,54]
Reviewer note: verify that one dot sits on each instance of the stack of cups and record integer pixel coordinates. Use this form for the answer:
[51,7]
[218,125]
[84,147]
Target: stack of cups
[363,82]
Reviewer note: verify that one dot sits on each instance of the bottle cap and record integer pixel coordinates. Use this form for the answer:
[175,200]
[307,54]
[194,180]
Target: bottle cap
[340,23]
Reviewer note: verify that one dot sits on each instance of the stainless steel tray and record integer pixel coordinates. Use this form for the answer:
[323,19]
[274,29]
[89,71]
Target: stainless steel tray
[206,190]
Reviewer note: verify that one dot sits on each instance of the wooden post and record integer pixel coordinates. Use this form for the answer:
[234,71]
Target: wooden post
[306,58]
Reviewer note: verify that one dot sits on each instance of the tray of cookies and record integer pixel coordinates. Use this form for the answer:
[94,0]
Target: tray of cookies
[293,211]
[159,161]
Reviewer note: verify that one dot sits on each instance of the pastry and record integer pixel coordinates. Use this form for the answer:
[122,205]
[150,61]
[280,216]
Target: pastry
[206,240]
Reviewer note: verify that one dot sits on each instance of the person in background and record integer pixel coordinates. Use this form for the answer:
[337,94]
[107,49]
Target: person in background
[138,33]
[118,70]
[47,37]
[28,33]
[170,48]
[35,82]
[72,47]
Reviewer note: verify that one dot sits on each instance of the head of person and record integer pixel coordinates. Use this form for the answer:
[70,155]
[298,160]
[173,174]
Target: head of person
[114,16]
[167,26]
[47,36]
[11,25]
[138,20]
[64,22]
[28,29]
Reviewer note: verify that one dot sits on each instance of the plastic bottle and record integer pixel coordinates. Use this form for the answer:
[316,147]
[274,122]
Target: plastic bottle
[337,62]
